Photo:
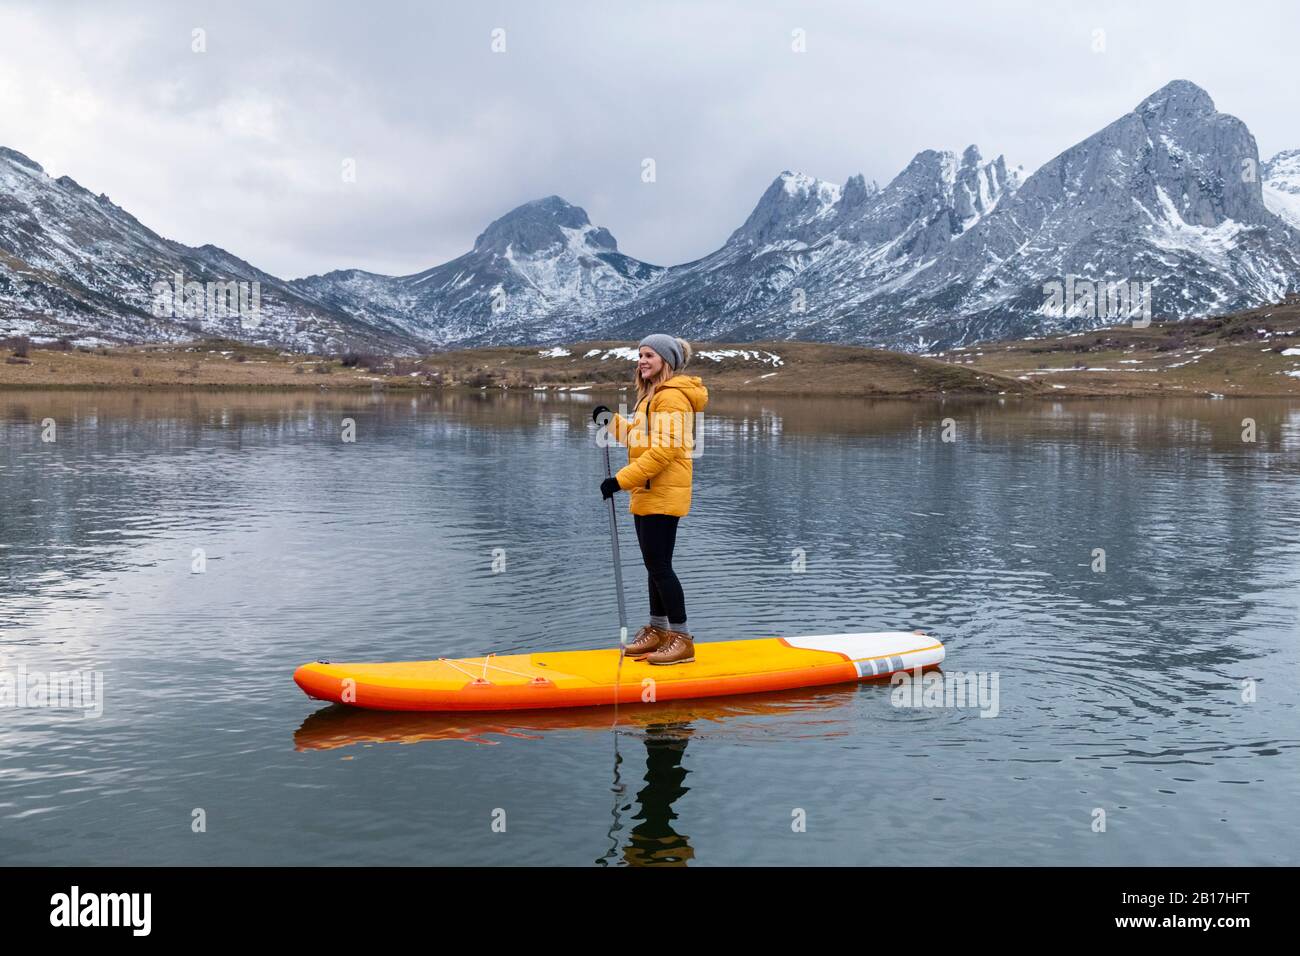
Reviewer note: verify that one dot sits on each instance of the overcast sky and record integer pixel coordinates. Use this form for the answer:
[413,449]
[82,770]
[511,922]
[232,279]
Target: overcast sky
[243,145]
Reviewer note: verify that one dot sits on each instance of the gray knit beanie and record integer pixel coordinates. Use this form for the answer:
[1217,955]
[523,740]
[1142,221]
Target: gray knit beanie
[667,348]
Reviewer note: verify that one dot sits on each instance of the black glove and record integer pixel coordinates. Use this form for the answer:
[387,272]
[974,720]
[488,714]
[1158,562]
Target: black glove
[598,411]
[608,487]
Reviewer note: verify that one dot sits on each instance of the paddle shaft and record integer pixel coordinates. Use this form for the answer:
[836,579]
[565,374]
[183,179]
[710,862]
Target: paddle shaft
[618,564]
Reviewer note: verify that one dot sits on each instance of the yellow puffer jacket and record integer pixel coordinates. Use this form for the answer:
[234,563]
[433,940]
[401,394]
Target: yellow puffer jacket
[659,447]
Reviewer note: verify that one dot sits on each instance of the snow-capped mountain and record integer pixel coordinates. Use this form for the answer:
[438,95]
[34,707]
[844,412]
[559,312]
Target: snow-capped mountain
[1165,200]
[1281,176]
[542,272]
[1168,194]
[811,247]
[1169,200]
[74,264]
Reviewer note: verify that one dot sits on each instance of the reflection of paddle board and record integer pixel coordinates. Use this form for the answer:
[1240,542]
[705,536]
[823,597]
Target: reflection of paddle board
[804,710]
[587,678]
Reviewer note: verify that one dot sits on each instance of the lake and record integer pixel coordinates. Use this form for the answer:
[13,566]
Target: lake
[1125,574]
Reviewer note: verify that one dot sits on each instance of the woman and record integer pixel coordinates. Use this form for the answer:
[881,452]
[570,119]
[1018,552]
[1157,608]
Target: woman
[660,442]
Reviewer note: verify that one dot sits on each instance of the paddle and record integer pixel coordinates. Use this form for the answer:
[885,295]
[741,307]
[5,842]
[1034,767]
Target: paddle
[618,588]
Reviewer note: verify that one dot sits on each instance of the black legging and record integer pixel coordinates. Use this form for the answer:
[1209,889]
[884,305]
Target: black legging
[657,534]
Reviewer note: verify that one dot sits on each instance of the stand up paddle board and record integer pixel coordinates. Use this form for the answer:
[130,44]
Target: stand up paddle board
[591,678]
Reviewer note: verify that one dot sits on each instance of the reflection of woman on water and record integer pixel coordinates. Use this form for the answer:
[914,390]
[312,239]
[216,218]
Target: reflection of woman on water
[658,474]
[653,841]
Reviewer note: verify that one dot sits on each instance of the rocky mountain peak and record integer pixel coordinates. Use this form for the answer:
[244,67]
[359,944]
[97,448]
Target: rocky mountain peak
[787,208]
[1285,163]
[18,159]
[1177,99]
[538,226]
[930,172]
[855,196]
[979,186]
[1198,158]
[1281,182]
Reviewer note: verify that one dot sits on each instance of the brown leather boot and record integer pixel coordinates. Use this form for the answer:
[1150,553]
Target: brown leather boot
[648,639]
[677,648]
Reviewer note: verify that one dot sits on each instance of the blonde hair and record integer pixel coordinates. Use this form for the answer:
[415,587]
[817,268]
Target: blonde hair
[644,388]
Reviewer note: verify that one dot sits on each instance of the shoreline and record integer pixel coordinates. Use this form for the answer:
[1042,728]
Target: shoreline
[1248,354]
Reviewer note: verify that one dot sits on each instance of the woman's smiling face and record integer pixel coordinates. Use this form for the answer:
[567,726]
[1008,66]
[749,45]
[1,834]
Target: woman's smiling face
[649,363]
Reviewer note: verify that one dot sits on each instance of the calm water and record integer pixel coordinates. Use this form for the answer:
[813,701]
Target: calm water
[1119,691]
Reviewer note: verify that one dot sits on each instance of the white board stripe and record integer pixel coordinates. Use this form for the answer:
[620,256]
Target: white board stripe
[876,644]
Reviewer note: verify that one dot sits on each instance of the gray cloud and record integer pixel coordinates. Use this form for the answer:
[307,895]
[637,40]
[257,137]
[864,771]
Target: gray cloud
[243,145]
